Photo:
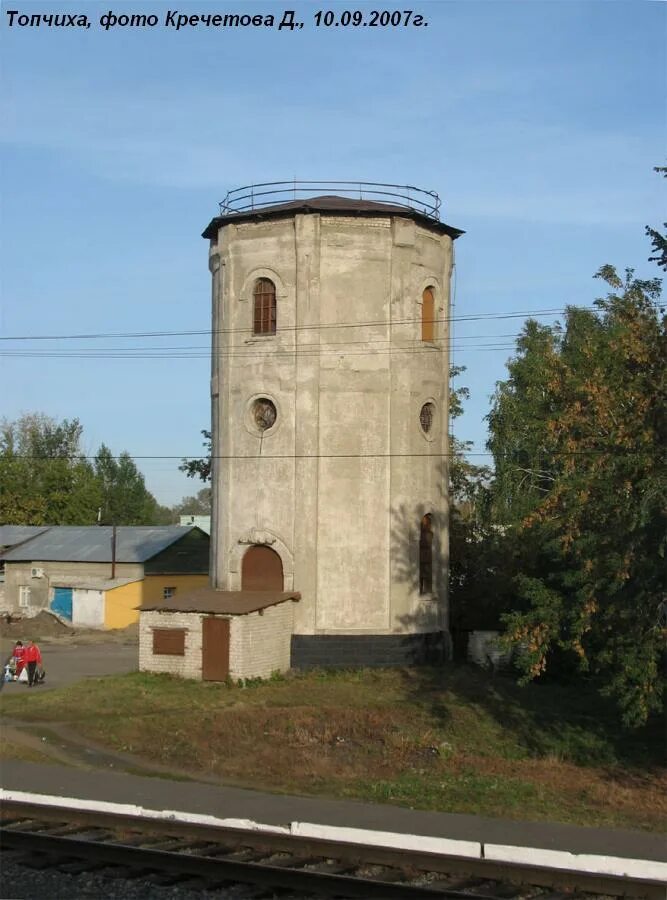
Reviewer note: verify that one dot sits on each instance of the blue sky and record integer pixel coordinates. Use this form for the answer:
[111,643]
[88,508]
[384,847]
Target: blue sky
[538,124]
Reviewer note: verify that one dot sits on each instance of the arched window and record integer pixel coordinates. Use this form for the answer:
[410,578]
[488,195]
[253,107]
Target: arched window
[264,309]
[428,315]
[261,569]
[426,555]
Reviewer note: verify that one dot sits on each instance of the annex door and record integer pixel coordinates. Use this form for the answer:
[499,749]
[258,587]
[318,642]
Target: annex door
[261,569]
[62,602]
[215,649]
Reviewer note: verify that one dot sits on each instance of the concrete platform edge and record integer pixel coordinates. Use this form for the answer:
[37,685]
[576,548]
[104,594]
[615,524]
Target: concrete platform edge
[589,863]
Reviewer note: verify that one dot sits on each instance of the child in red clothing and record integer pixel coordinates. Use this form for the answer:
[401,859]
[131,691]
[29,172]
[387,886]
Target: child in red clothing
[33,658]
[19,658]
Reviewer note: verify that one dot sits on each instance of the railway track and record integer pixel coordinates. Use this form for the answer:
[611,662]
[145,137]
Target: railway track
[203,857]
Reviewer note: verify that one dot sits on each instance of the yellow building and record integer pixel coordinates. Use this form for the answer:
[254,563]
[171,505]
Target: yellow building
[122,602]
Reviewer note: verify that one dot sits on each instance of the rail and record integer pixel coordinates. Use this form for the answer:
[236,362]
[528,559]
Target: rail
[279,860]
[273,193]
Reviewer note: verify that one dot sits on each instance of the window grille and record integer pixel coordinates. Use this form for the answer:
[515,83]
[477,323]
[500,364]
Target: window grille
[426,417]
[264,309]
[168,593]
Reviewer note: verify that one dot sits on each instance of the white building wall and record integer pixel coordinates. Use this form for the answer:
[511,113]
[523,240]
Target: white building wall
[260,644]
[88,607]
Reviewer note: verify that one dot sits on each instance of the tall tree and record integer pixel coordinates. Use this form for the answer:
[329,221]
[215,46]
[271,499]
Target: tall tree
[199,505]
[578,432]
[44,477]
[473,578]
[125,498]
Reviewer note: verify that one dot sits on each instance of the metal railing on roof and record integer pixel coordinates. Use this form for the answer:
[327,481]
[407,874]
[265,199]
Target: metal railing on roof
[272,193]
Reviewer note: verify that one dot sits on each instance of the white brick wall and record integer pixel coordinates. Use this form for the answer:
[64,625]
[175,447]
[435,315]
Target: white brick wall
[188,666]
[260,644]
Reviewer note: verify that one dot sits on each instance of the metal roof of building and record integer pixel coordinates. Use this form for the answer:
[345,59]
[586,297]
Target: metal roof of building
[11,535]
[231,603]
[333,205]
[90,583]
[92,543]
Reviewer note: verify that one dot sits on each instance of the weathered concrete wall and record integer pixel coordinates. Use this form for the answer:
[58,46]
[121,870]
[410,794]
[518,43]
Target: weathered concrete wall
[66,574]
[260,644]
[338,486]
[187,666]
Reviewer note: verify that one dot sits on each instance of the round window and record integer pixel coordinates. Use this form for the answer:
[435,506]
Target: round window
[426,417]
[264,413]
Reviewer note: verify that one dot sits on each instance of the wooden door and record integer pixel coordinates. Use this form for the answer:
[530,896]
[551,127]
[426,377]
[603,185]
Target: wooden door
[261,569]
[215,648]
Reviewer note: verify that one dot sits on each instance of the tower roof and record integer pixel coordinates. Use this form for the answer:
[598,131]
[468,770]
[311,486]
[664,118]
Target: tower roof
[332,205]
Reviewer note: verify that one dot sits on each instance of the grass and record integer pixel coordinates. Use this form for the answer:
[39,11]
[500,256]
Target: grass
[451,739]
[10,749]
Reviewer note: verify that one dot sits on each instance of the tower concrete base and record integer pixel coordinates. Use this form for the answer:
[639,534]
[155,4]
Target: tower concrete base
[338,651]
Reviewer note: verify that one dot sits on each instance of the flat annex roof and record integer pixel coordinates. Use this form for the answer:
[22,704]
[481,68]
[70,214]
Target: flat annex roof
[231,603]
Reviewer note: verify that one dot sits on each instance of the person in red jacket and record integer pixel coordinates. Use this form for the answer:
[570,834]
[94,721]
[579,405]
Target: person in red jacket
[19,658]
[33,658]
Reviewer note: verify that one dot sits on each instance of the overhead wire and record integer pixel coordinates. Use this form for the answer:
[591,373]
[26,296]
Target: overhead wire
[285,328]
[621,451]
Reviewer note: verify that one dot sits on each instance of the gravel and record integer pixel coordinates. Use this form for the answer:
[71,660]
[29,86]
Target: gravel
[21,882]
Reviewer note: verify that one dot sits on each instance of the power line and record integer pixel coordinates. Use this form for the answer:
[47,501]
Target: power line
[286,328]
[245,355]
[207,347]
[610,451]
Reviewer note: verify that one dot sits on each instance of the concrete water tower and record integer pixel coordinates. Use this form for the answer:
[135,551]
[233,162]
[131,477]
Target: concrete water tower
[330,413]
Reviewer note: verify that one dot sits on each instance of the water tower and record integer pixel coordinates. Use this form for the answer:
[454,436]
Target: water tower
[330,398]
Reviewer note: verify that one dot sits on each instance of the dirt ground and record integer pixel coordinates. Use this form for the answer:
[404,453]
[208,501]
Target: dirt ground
[45,626]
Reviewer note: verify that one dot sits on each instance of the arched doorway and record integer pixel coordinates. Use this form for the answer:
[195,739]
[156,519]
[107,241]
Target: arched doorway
[261,569]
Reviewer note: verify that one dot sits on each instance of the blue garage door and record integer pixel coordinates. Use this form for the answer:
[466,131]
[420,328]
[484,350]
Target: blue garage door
[62,602]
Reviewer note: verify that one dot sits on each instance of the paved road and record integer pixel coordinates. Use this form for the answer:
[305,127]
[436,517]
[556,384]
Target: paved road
[67,663]
[281,809]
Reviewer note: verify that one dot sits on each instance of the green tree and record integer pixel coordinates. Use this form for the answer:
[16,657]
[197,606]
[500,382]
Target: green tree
[125,500]
[658,240]
[471,565]
[44,476]
[199,505]
[199,468]
[578,432]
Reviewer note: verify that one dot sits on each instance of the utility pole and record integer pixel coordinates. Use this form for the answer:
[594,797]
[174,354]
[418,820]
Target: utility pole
[113,551]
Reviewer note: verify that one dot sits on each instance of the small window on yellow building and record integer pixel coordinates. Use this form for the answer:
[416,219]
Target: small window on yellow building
[168,593]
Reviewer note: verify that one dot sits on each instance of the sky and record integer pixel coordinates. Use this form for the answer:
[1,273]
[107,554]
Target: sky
[538,124]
